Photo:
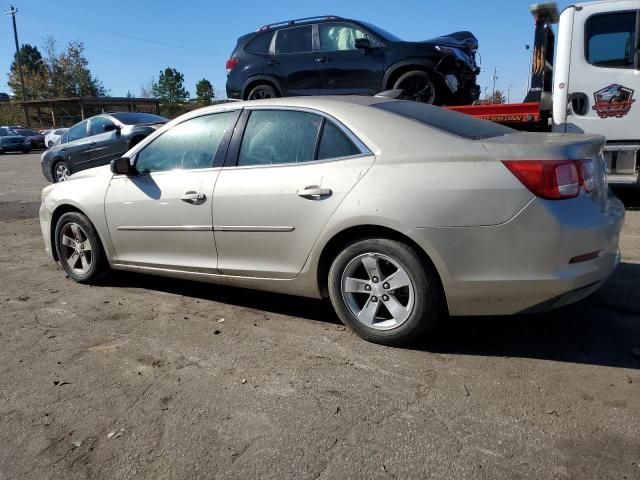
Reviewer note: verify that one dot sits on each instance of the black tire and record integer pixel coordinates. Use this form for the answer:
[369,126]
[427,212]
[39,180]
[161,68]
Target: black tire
[419,86]
[94,256]
[428,303]
[26,150]
[262,91]
[56,171]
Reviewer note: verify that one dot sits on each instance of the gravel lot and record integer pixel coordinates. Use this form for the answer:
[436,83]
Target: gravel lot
[146,377]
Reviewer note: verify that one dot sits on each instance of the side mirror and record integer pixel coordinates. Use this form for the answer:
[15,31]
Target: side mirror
[363,43]
[122,166]
[111,127]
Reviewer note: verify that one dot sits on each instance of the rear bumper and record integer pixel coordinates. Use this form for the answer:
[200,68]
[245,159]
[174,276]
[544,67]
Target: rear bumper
[524,264]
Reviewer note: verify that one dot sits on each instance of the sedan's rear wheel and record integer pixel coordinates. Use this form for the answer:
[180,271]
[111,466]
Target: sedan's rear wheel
[79,248]
[383,291]
[61,171]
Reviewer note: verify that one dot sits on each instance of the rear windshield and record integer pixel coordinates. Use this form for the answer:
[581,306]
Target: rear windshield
[136,118]
[446,120]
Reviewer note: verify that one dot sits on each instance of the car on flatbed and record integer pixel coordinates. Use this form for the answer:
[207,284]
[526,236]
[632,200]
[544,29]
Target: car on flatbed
[331,55]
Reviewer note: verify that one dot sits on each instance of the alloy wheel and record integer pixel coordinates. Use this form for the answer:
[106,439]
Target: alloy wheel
[62,172]
[76,248]
[378,291]
[260,94]
[417,88]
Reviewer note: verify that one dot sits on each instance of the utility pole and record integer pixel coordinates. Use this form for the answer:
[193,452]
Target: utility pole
[485,92]
[494,77]
[13,12]
[509,93]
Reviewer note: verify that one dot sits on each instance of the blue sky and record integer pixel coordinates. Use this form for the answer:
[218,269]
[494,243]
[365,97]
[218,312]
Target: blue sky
[128,42]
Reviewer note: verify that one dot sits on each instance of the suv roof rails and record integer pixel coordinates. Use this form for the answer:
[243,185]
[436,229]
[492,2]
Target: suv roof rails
[269,26]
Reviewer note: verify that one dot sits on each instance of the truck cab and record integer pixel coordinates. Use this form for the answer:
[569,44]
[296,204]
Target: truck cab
[596,80]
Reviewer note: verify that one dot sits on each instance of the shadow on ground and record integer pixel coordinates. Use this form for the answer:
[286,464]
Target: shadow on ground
[601,330]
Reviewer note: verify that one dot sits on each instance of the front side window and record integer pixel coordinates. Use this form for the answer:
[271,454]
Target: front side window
[610,39]
[189,145]
[294,40]
[97,124]
[77,132]
[340,36]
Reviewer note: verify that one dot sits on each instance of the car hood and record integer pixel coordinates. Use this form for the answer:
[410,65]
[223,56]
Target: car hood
[465,40]
[102,171]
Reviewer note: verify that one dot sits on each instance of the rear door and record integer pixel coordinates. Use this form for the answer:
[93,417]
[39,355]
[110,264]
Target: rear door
[603,82]
[289,171]
[293,62]
[77,147]
[345,69]
[105,146]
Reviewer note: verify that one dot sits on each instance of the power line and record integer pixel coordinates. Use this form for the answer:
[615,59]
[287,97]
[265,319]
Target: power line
[110,31]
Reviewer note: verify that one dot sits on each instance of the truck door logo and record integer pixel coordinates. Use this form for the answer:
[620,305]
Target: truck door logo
[613,101]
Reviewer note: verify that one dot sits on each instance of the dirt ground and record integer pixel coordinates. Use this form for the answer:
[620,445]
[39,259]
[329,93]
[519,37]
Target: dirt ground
[145,377]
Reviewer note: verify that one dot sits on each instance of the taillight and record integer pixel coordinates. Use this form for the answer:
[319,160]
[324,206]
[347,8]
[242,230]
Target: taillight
[550,179]
[587,175]
[231,64]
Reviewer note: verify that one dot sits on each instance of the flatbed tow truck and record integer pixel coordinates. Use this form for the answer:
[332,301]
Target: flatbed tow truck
[593,85]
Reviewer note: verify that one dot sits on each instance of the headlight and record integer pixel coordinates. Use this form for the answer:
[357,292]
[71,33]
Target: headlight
[454,52]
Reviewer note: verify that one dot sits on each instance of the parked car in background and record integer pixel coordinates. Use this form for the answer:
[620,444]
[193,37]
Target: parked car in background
[4,97]
[36,138]
[96,141]
[332,55]
[10,141]
[300,196]
[53,136]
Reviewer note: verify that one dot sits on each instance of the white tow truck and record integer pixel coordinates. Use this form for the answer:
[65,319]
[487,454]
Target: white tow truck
[592,87]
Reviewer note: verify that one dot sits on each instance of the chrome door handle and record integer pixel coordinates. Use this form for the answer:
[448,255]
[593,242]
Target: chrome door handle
[314,192]
[193,197]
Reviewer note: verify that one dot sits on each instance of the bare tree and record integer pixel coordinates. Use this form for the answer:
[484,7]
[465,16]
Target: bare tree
[146,88]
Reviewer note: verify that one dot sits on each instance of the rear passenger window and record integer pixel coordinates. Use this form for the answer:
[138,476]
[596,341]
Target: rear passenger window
[610,39]
[260,44]
[334,143]
[294,40]
[279,136]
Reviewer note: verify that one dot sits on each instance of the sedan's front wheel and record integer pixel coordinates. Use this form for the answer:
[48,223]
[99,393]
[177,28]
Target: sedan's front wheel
[79,248]
[382,290]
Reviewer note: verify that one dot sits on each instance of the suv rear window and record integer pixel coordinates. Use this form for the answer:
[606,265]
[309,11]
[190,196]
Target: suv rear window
[446,120]
[260,44]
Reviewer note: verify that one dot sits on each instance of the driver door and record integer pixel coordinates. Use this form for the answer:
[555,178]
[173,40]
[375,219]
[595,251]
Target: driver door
[161,217]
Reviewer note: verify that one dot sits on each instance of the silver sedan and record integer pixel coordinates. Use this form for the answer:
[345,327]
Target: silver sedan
[399,212]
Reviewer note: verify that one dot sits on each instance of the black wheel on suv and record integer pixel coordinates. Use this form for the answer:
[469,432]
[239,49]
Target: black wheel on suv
[261,92]
[418,86]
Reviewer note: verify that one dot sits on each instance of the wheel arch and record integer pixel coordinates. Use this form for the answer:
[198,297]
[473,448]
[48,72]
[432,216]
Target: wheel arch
[55,216]
[360,232]
[400,68]
[260,79]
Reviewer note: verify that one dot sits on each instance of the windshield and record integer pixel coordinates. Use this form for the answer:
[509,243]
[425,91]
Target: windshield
[382,32]
[451,122]
[5,132]
[134,118]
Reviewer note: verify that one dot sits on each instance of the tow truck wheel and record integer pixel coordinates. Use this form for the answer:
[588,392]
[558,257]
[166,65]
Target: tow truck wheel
[418,86]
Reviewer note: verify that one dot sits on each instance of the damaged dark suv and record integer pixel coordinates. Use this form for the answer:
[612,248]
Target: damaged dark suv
[335,56]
